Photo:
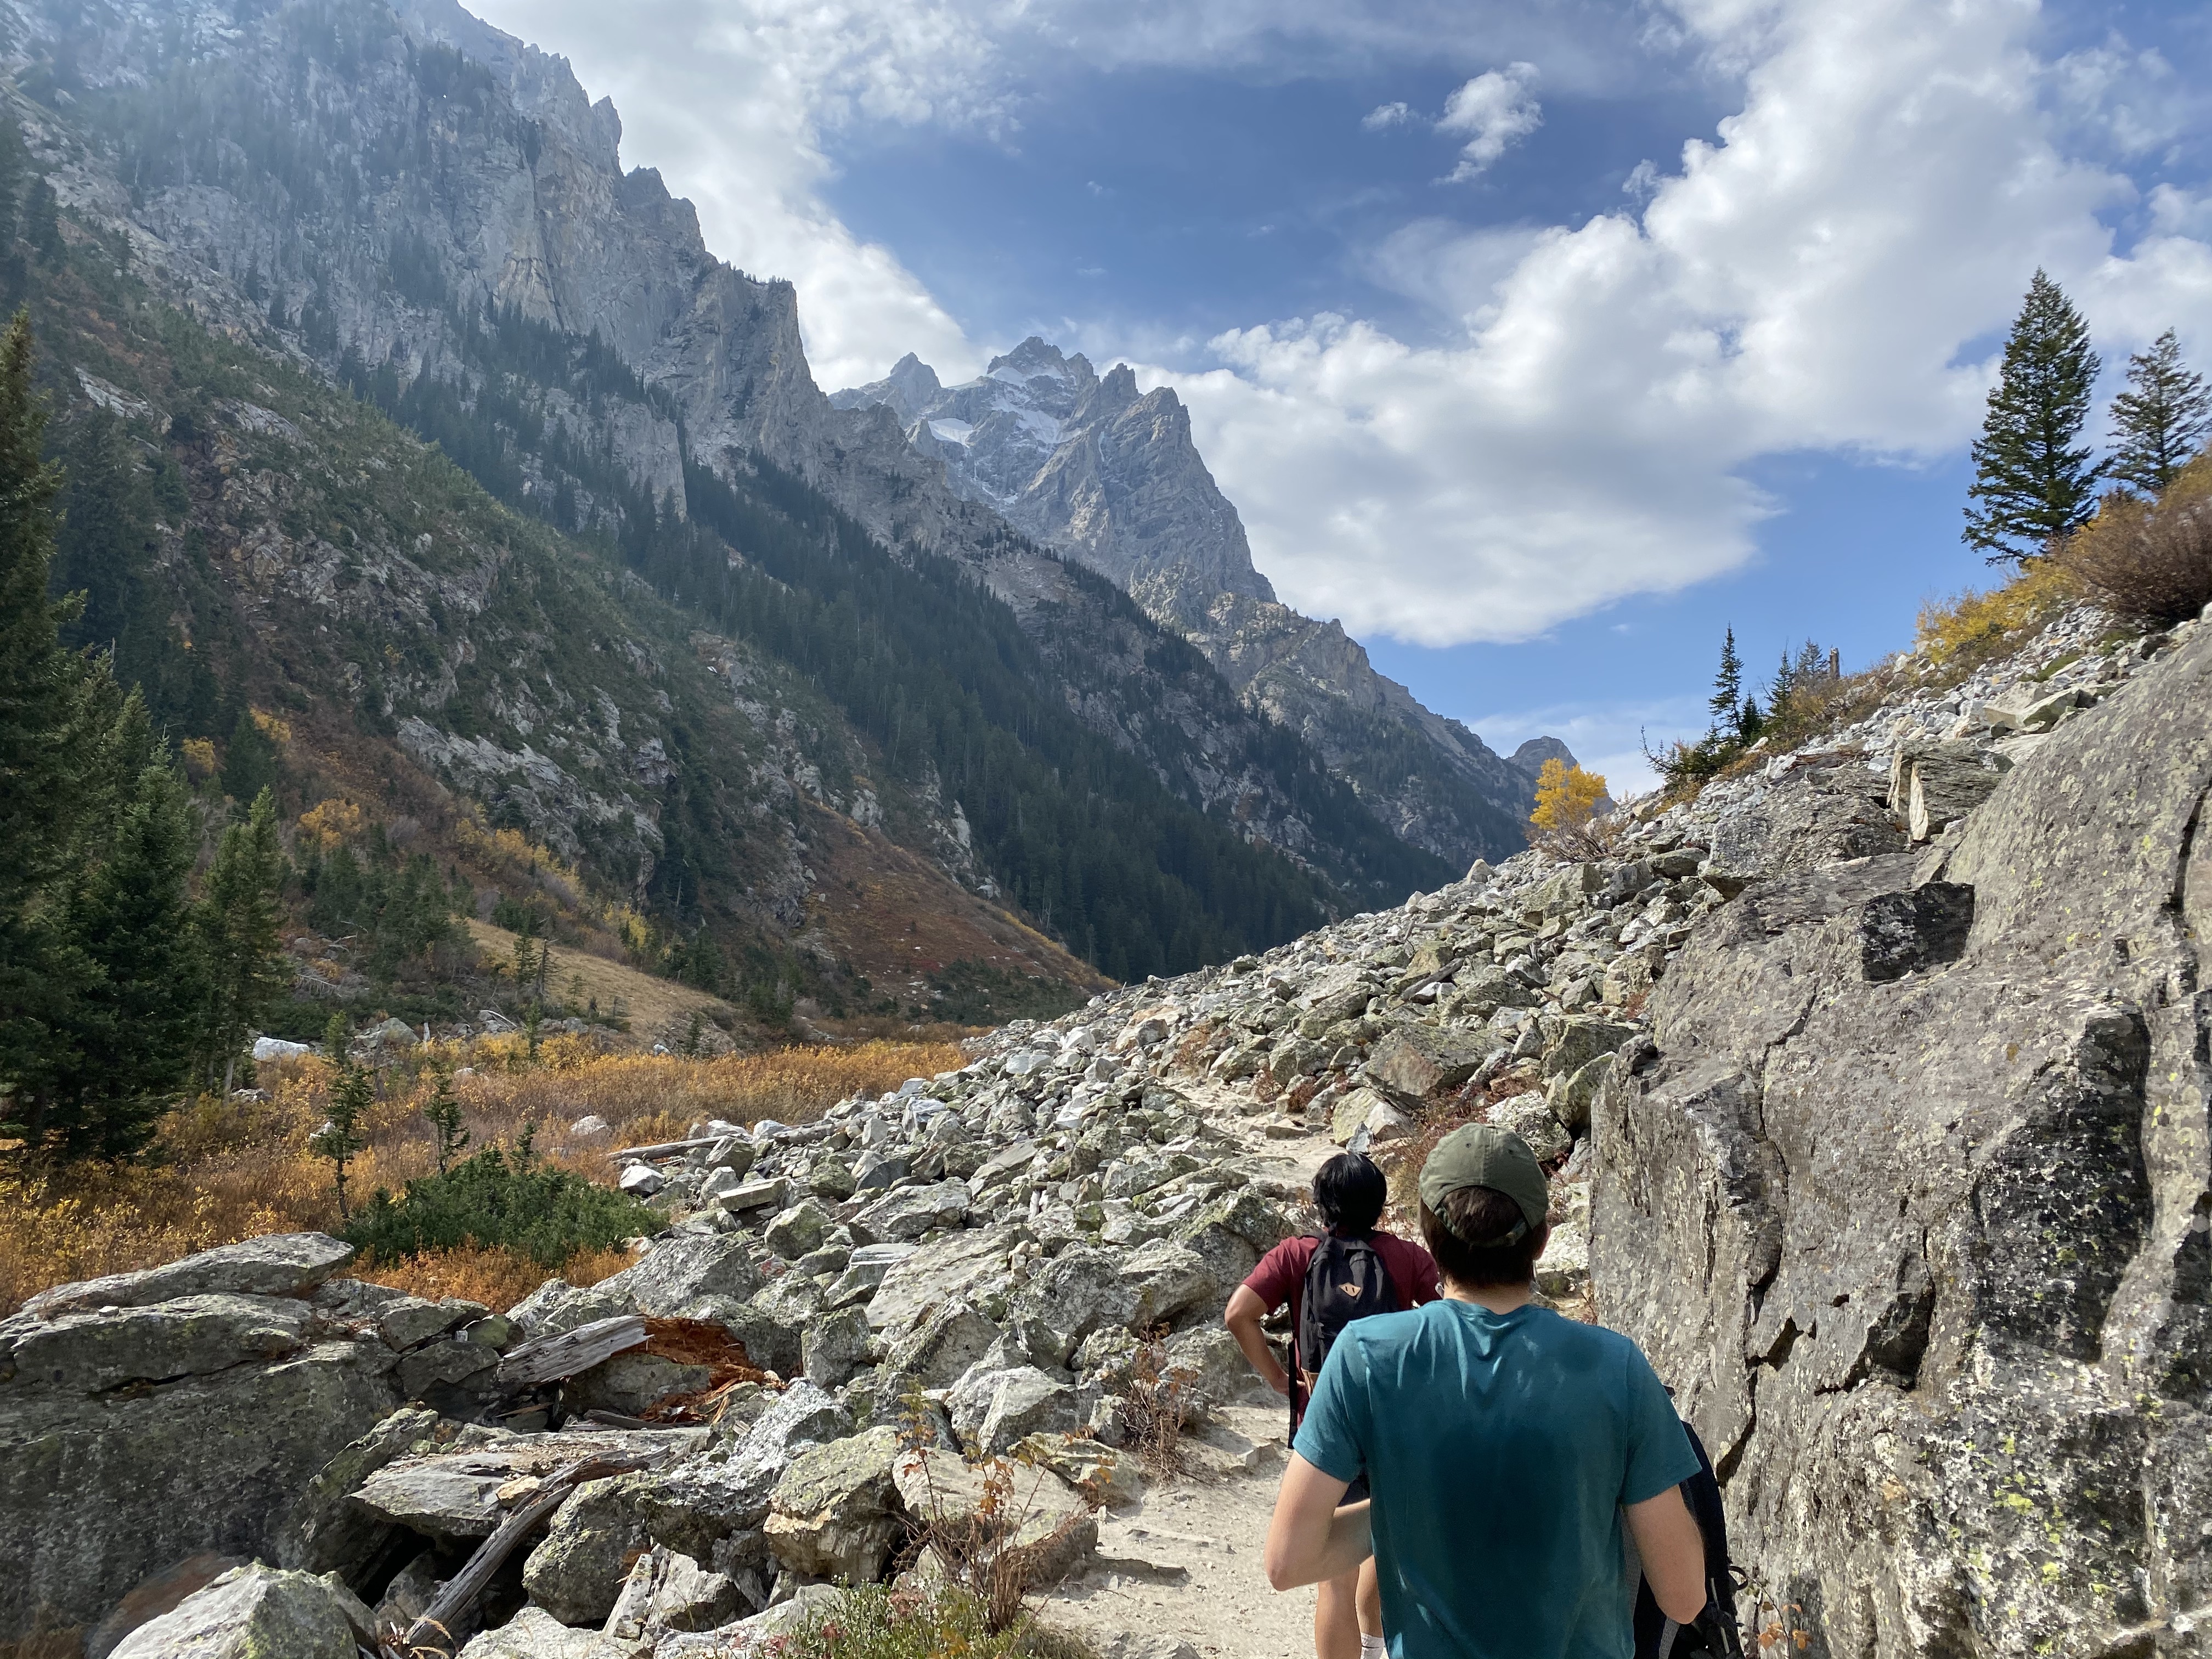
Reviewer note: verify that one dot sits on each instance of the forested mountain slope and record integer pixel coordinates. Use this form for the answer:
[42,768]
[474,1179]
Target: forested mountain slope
[683,610]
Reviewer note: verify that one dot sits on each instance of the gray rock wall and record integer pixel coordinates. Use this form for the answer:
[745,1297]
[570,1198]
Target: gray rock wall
[1924,1254]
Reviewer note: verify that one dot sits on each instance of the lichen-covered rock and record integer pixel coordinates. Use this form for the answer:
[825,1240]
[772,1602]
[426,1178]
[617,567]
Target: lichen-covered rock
[991,1409]
[792,1233]
[1924,1255]
[326,1530]
[632,1383]
[908,1212]
[681,1271]
[1418,1061]
[961,1267]
[99,1490]
[836,1346]
[276,1264]
[836,1512]
[708,1507]
[1050,1523]
[942,1346]
[669,1591]
[533,1634]
[251,1612]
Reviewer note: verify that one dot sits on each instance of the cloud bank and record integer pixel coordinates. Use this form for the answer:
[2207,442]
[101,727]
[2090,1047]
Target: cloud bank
[1813,279]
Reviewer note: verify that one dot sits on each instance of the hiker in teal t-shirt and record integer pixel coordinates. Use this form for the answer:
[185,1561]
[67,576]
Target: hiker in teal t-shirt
[1505,1447]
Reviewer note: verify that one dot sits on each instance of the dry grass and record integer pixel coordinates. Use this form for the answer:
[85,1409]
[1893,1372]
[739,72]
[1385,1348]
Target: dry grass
[233,1170]
[498,1278]
[648,1003]
[1959,634]
[2150,562]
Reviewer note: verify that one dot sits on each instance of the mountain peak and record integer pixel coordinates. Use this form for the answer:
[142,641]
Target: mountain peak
[1038,358]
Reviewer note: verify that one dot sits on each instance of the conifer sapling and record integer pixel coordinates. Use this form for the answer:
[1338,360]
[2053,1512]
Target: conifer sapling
[1727,699]
[352,1093]
[443,1112]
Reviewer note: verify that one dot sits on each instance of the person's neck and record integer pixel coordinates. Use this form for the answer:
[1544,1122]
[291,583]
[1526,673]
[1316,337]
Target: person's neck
[1498,1298]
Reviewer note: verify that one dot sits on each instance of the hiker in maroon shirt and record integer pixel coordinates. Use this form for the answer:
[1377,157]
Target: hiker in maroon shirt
[1349,1191]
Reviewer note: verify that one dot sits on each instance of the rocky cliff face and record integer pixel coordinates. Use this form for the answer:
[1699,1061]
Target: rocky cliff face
[1089,466]
[1111,478]
[1907,1194]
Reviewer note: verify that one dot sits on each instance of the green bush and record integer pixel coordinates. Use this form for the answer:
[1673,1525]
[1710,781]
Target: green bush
[499,1197]
[877,1621]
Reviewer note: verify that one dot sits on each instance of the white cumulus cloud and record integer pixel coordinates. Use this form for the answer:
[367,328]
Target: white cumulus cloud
[1387,115]
[1497,109]
[1811,279]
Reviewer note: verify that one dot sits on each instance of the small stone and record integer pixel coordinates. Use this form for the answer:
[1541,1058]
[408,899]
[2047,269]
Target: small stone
[834,1346]
[641,1181]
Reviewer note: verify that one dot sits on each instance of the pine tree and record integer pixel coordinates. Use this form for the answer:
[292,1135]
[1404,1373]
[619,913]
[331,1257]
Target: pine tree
[238,921]
[46,711]
[1727,689]
[2032,482]
[2162,419]
[133,1026]
[443,1112]
[340,1138]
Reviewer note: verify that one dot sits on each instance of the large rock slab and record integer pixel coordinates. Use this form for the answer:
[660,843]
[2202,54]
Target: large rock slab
[251,1612]
[1923,1252]
[89,1351]
[963,1266]
[1418,1061]
[99,1490]
[710,1508]
[452,1495]
[278,1264]
[679,1272]
[1085,1288]
[1050,1524]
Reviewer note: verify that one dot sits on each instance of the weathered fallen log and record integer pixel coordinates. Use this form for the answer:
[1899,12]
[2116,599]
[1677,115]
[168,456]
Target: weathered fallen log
[666,1148]
[432,1634]
[552,1357]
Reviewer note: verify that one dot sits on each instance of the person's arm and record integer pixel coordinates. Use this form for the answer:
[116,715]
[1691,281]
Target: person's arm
[1245,1312]
[1672,1549]
[1309,1538]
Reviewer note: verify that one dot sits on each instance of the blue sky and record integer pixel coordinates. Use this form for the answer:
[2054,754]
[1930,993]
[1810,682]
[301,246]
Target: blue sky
[1537,400]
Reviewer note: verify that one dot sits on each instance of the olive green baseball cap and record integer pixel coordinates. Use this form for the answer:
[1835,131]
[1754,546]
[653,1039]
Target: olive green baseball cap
[1487,1155]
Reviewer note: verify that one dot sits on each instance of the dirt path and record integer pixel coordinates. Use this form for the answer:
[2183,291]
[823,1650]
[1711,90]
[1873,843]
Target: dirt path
[1185,1563]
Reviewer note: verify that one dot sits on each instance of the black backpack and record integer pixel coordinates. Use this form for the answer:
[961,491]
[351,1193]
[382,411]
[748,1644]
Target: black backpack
[1713,1633]
[1346,1281]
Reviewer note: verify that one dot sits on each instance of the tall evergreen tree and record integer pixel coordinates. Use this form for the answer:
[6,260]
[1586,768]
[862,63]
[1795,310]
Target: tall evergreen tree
[44,708]
[133,1024]
[238,927]
[2032,482]
[2162,419]
[1727,700]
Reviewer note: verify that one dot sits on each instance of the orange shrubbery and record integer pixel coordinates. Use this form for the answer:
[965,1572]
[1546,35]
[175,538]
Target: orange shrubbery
[230,1170]
[496,1278]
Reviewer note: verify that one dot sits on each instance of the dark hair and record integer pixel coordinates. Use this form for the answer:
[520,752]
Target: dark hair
[1486,1216]
[1349,1191]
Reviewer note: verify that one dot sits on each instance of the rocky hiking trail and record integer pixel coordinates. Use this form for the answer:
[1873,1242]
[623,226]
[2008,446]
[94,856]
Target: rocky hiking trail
[1875,1083]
